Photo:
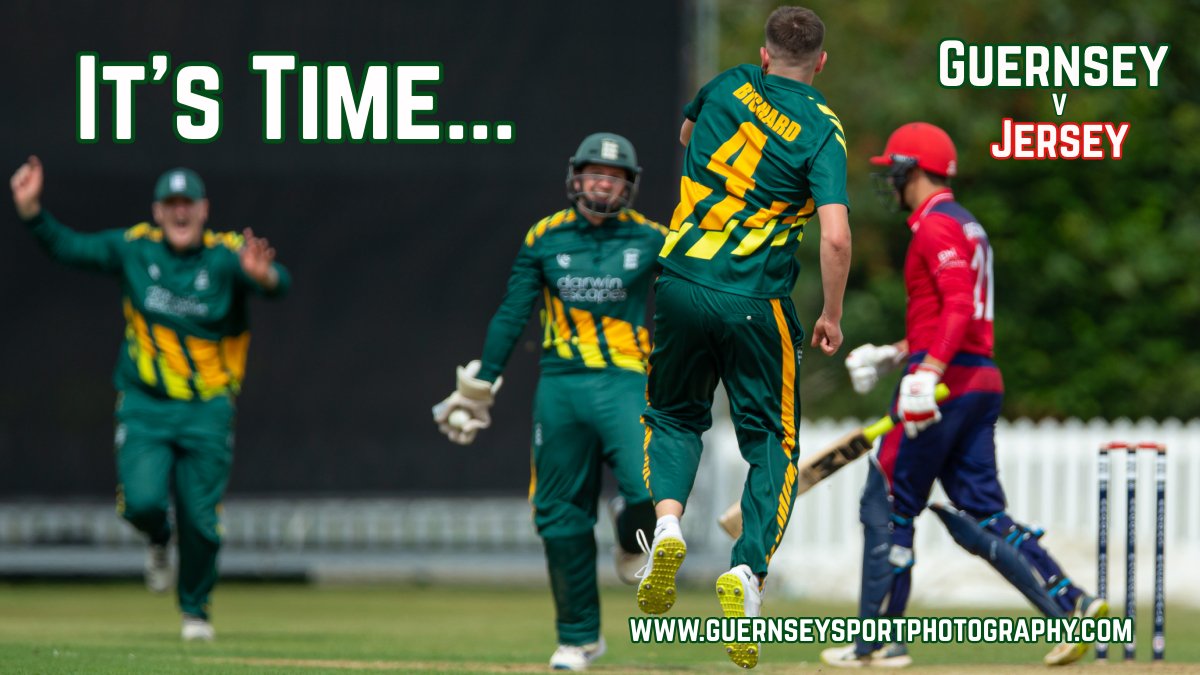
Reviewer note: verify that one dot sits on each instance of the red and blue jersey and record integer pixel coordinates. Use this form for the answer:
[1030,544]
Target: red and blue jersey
[948,277]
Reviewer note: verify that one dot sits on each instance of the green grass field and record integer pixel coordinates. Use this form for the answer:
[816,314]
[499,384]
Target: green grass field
[278,628]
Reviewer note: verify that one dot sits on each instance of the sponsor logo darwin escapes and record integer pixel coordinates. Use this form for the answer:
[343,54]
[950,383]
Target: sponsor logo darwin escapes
[592,289]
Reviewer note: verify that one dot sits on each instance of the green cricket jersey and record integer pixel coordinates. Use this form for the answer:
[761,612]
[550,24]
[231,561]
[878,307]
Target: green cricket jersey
[765,152]
[593,281]
[186,328]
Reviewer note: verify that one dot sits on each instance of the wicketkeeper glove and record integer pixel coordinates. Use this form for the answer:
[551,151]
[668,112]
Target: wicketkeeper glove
[868,363]
[917,405]
[472,395]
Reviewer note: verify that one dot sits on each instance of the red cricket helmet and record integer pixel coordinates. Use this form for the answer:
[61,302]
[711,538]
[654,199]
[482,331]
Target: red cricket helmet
[928,145]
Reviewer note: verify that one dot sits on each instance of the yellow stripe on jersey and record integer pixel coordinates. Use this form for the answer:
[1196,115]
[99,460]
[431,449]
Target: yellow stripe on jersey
[172,363]
[764,215]
[234,349]
[707,246]
[672,239]
[548,223]
[643,336]
[588,340]
[230,240]
[717,218]
[211,377]
[691,193]
[534,232]
[558,332]
[840,134]
[623,348]
[630,214]
[141,347]
[831,115]
[143,230]
[754,239]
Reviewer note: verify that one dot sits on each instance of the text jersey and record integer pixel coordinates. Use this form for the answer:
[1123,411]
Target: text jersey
[948,275]
[764,153]
[593,280]
[186,328]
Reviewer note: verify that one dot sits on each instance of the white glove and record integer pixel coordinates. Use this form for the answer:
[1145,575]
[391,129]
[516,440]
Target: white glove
[868,363]
[917,406]
[473,396]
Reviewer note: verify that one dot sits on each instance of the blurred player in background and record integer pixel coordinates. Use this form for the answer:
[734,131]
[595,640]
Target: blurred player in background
[179,370]
[591,265]
[948,277]
[764,153]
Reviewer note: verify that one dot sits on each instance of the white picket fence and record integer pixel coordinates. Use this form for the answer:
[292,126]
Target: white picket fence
[1049,471]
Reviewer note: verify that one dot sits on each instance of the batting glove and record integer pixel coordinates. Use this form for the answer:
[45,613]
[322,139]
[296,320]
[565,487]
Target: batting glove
[917,406]
[868,363]
[472,395]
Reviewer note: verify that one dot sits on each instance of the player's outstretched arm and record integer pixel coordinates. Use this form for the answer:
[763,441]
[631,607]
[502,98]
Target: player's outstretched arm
[98,251]
[835,269]
[26,186]
[257,258]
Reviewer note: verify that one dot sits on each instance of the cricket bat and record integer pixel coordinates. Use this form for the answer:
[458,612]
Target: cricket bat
[821,465]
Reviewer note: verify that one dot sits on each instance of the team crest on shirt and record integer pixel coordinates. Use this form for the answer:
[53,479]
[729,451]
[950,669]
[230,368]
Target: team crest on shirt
[631,258]
[202,280]
[153,271]
[564,260]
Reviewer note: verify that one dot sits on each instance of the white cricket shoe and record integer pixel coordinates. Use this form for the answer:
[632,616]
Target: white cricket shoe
[627,564]
[1064,653]
[893,655]
[196,629]
[577,657]
[656,592]
[159,575]
[737,591]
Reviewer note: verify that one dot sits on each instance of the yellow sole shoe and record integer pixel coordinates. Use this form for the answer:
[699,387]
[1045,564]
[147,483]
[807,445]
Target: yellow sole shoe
[731,595]
[656,592]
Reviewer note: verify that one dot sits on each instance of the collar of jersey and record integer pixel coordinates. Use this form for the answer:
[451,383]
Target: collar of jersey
[583,223]
[919,213]
[795,85]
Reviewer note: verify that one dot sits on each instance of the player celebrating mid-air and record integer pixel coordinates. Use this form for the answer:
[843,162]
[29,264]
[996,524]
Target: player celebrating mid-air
[181,366]
[948,278]
[764,153]
[591,264]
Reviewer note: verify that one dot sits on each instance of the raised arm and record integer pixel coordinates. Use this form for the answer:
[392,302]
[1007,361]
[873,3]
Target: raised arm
[100,251]
[257,258]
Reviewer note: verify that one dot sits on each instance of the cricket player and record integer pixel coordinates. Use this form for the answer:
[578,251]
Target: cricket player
[591,266]
[184,293]
[948,338]
[764,154]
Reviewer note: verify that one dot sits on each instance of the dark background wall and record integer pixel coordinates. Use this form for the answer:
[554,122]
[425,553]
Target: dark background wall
[399,252]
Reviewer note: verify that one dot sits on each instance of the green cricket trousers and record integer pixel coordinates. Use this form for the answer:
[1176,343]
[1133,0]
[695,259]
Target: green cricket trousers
[185,447]
[754,346]
[583,421]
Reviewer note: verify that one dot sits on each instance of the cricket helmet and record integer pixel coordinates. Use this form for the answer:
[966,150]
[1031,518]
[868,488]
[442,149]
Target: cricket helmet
[923,145]
[604,149]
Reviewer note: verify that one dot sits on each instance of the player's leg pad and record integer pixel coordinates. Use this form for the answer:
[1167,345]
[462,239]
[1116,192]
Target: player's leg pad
[1003,556]
[656,591]
[734,596]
